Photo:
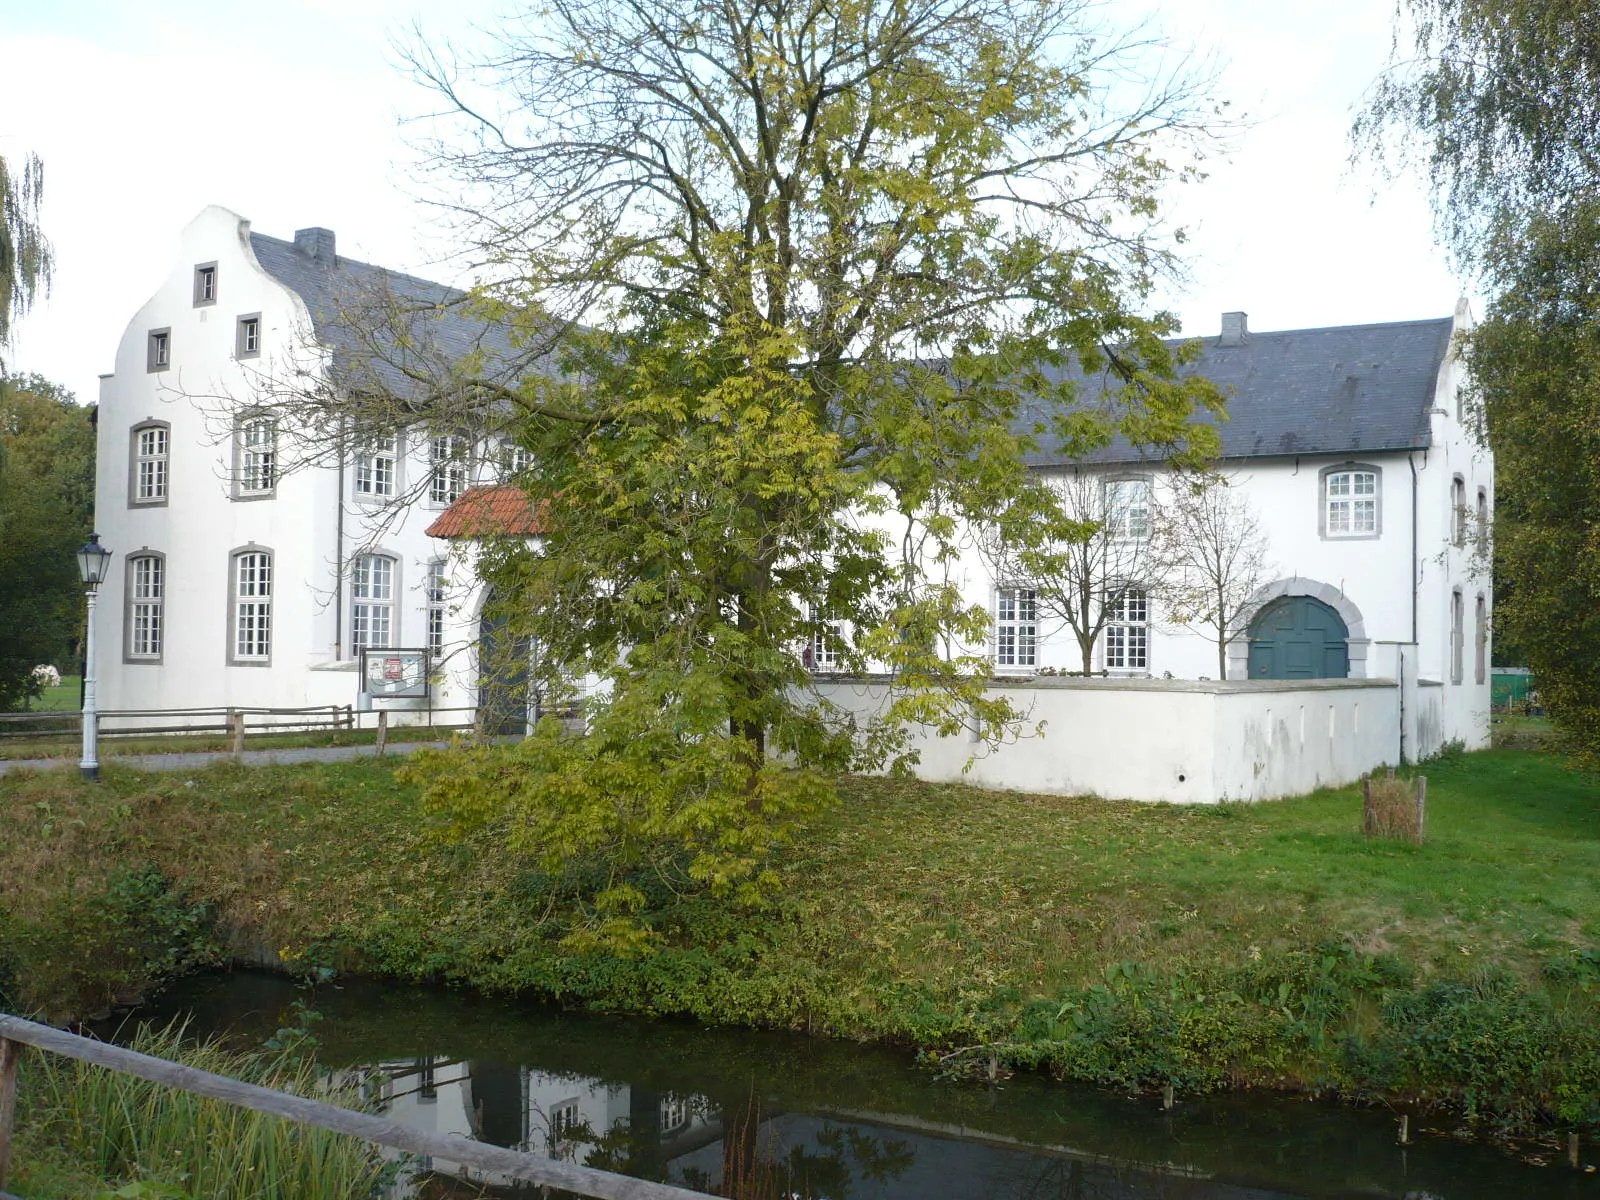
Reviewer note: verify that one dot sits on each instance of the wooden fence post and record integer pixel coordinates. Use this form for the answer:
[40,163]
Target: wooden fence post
[236,730]
[383,729]
[1422,805]
[10,1055]
[1366,805]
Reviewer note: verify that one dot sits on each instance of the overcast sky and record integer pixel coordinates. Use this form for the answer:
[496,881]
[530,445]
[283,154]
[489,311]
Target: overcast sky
[289,113]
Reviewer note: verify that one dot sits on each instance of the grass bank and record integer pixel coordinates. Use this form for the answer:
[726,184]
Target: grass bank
[89,1133]
[1129,945]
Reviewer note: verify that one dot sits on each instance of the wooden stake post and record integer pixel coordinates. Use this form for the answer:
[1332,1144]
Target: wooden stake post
[383,730]
[10,1055]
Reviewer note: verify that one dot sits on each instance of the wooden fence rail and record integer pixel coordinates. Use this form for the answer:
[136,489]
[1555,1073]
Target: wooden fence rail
[583,1181]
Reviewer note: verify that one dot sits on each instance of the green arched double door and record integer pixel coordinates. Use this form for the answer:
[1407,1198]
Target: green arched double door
[1296,637]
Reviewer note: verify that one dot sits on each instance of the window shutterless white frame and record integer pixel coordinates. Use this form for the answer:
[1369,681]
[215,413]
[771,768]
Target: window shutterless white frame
[435,586]
[1127,634]
[1016,627]
[447,461]
[376,473]
[145,597]
[250,587]
[1351,502]
[1483,517]
[247,336]
[1457,635]
[256,456]
[158,350]
[373,579]
[205,284]
[1458,511]
[1127,508]
[149,461]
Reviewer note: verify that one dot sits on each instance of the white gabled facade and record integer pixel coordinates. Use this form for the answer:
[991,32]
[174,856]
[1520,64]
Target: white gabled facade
[246,577]
[257,587]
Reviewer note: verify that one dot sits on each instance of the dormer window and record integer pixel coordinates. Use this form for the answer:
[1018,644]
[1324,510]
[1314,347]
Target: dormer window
[158,351]
[205,284]
[247,344]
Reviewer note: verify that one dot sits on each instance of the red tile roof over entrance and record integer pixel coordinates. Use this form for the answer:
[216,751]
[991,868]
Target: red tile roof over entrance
[500,510]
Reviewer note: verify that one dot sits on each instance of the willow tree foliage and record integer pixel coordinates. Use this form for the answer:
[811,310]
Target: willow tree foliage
[25,258]
[804,273]
[1501,98]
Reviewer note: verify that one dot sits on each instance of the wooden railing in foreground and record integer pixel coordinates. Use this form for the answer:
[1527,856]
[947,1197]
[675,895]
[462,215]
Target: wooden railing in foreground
[583,1181]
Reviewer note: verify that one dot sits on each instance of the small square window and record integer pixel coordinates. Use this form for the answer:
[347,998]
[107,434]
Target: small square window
[248,342]
[158,356]
[205,284]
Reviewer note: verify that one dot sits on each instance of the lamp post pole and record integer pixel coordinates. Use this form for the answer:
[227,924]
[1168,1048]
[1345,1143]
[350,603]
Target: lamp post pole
[90,763]
[92,562]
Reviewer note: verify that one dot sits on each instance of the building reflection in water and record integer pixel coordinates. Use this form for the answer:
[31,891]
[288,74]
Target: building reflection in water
[737,1148]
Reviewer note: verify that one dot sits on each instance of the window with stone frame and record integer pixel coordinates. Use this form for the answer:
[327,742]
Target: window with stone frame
[1127,632]
[1016,627]
[146,605]
[152,445]
[1350,503]
[436,585]
[376,470]
[447,461]
[257,455]
[372,613]
[1127,507]
[252,606]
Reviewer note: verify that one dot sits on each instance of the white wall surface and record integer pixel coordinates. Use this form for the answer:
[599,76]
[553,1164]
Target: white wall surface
[1167,740]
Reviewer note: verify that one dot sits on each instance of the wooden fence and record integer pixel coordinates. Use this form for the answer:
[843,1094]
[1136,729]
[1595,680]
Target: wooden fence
[515,1164]
[155,722]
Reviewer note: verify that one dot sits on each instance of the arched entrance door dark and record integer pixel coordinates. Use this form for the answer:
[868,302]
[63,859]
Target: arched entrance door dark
[503,662]
[1296,637]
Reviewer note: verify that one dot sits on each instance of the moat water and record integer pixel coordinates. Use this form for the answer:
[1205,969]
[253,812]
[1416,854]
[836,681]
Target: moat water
[832,1120]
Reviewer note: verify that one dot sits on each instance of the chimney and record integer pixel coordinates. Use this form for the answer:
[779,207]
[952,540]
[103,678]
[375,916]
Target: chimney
[1235,325]
[316,243]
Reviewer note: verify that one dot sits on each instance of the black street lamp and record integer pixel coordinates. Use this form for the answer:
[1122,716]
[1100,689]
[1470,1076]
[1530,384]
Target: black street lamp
[94,560]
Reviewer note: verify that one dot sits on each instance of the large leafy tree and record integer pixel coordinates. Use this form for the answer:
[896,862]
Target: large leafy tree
[46,503]
[1500,99]
[25,257]
[810,272]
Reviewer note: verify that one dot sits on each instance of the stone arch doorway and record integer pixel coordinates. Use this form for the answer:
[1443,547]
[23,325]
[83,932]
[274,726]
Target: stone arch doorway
[1299,637]
[503,669]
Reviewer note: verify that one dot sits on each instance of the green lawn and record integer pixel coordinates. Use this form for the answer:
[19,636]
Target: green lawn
[935,914]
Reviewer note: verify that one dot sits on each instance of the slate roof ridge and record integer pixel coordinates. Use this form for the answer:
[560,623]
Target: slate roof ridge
[341,261]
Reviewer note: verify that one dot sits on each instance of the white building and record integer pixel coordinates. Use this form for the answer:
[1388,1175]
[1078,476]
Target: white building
[253,577]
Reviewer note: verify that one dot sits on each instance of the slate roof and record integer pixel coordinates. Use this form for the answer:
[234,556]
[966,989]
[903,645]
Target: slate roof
[344,295]
[497,510]
[1346,389]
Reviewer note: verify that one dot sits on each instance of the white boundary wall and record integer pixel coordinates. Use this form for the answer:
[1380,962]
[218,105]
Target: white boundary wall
[1166,740]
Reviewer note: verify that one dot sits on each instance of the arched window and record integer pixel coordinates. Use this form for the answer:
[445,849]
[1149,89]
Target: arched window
[372,592]
[145,620]
[1127,508]
[250,582]
[1458,511]
[150,450]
